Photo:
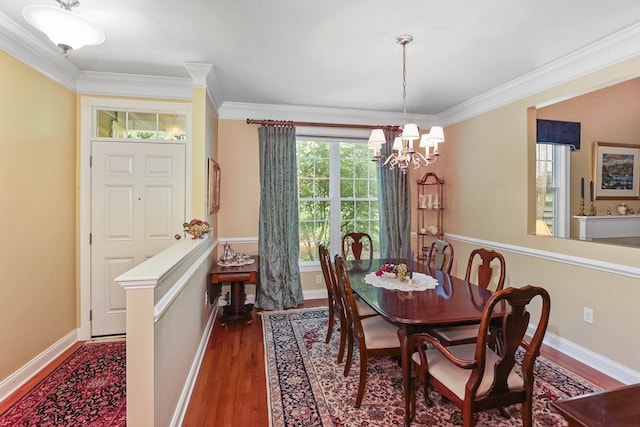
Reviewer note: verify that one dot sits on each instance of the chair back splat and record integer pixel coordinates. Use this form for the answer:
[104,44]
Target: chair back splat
[352,243]
[475,377]
[440,256]
[484,270]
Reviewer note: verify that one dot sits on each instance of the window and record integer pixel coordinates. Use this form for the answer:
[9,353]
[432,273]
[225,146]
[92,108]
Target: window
[337,193]
[140,125]
[552,177]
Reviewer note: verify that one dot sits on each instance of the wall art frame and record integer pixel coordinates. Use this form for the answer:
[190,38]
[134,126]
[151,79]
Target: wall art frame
[616,171]
[213,187]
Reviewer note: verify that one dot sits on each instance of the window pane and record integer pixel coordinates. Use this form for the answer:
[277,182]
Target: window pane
[172,127]
[111,124]
[354,208]
[322,188]
[346,188]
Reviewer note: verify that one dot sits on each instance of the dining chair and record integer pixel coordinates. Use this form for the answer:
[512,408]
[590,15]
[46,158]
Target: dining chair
[336,307]
[352,243]
[374,336]
[479,262]
[440,255]
[473,376]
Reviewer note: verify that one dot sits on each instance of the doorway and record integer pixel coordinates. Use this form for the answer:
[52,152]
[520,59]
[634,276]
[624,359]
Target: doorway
[134,197]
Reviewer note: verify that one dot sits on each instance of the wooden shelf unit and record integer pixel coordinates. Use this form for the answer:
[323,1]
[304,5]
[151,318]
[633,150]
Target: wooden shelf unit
[430,211]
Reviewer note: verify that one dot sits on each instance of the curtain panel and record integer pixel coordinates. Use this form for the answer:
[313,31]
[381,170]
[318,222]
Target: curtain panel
[394,204]
[278,235]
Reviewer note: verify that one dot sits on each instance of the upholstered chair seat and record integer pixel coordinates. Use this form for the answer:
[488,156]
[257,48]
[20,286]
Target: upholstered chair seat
[456,378]
[379,333]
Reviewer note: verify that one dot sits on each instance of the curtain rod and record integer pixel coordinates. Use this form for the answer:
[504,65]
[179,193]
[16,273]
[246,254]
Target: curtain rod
[317,124]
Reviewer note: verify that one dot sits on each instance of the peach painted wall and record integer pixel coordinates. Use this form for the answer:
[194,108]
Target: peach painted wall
[37,214]
[611,114]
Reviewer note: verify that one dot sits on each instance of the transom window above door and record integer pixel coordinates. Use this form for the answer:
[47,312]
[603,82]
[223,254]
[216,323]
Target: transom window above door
[140,125]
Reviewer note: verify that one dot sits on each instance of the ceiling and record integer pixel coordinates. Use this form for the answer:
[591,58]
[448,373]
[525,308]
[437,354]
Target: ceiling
[336,53]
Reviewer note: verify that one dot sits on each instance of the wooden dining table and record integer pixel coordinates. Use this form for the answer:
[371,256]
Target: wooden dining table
[452,302]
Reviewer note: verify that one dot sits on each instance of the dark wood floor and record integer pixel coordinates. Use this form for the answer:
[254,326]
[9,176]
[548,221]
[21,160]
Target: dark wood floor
[231,387]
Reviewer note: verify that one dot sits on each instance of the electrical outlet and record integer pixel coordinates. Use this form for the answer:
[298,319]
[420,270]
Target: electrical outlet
[318,279]
[588,315]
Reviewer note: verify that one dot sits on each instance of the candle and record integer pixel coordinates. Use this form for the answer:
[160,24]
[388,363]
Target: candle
[591,191]
[411,266]
[582,187]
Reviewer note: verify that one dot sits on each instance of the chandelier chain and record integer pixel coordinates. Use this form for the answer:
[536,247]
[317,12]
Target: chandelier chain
[404,83]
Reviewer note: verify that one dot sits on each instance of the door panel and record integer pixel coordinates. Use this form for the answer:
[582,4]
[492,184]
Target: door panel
[137,206]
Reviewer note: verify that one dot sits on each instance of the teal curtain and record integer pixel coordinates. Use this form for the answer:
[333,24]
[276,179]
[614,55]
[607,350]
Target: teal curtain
[278,239]
[394,204]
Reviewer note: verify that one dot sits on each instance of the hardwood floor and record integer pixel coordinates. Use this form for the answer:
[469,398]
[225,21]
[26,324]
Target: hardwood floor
[231,387]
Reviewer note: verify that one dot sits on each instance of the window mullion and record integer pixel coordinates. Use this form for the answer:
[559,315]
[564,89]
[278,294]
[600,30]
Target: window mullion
[334,194]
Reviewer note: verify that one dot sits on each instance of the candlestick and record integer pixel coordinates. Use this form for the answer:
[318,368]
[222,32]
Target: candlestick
[591,191]
[581,207]
[582,187]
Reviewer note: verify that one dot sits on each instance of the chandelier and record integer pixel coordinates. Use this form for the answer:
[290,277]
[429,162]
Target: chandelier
[404,154]
[66,29]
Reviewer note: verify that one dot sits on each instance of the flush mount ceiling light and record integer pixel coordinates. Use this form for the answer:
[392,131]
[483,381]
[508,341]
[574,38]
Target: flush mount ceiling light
[403,153]
[66,29]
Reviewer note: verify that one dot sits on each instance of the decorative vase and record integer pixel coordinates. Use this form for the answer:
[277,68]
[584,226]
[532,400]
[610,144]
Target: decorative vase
[623,209]
[423,201]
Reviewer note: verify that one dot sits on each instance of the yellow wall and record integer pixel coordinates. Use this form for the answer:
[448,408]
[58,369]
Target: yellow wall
[37,214]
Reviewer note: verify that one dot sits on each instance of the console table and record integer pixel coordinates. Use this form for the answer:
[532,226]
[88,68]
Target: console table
[616,407]
[236,309]
[594,227]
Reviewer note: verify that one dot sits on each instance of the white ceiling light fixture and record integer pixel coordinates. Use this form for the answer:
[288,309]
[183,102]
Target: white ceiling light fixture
[403,153]
[69,31]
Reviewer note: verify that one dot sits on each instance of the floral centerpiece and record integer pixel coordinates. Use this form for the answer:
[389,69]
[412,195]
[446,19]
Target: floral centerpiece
[196,228]
[399,271]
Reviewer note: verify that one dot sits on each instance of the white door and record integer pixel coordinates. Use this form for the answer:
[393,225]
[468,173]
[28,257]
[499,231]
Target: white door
[137,207]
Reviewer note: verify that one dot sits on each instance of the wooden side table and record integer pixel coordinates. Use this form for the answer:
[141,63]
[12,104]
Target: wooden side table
[616,407]
[236,309]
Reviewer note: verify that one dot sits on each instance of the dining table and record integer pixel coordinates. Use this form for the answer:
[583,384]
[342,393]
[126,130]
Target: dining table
[430,299]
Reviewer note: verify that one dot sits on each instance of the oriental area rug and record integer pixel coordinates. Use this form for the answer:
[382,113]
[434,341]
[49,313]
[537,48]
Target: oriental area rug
[306,386]
[87,389]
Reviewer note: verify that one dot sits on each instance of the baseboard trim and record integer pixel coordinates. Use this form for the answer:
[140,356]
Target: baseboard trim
[35,365]
[594,360]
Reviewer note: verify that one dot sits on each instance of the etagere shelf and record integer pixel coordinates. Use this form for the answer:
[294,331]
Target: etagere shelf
[430,210]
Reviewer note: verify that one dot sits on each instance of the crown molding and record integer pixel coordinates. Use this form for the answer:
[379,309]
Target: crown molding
[606,52]
[118,84]
[30,50]
[611,50]
[198,73]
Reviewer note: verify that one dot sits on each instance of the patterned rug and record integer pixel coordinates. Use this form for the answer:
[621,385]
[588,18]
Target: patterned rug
[87,389]
[307,387]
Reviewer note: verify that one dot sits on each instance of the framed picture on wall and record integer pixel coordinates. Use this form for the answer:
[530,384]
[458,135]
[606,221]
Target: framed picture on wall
[213,190]
[616,171]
